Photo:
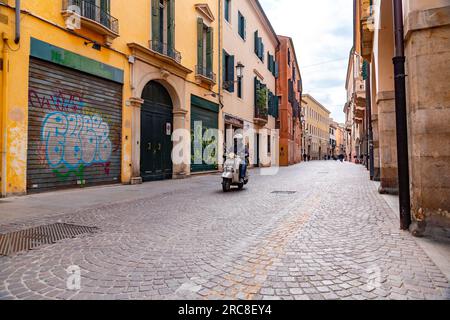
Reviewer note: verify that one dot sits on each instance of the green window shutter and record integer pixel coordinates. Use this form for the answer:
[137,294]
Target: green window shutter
[105,5]
[156,37]
[271,111]
[259,47]
[290,90]
[261,50]
[242,25]
[256,84]
[277,106]
[171,25]
[277,69]
[365,70]
[256,43]
[209,50]
[239,23]
[270,63]
[227,10]
[230,72]
[224,66]
[245,27]
[200,42]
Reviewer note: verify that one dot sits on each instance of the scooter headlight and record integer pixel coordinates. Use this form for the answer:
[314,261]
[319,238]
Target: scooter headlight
[229,169]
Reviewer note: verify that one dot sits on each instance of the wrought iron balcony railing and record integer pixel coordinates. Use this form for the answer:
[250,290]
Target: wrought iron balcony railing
[92,12]
[166,50]
[206,73]
[262,113]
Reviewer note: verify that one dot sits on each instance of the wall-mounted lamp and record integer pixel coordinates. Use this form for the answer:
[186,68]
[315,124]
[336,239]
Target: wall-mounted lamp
[239,74]
[95,45]
[240,70]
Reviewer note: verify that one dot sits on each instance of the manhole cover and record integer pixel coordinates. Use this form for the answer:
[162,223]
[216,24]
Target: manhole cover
[29,239]
[284,192]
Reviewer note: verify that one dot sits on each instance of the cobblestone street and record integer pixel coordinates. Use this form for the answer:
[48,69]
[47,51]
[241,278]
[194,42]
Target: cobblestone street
[334,238]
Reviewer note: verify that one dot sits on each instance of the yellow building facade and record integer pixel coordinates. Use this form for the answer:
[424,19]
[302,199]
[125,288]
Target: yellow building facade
[86,99]
[317,124]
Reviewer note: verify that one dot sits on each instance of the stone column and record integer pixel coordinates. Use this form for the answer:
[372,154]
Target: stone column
[428,87]
[387,142]
[181,147]
[136,104]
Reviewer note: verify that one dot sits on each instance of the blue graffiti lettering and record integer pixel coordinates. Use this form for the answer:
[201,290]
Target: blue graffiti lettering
[73,139]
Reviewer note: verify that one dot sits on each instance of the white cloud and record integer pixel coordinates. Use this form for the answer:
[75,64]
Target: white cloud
[322,31]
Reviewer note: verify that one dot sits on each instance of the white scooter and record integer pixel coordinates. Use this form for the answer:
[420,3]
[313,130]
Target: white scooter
[231,173]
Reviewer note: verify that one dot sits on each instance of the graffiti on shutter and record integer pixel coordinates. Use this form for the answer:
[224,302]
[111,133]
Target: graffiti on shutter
[75,126]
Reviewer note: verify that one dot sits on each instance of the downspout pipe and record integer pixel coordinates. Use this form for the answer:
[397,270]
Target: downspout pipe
[401,118]
[219,64]
[17,37]
[369,120]
[4,109]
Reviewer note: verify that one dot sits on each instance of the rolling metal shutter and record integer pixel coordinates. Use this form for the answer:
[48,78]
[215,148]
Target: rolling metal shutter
[74,129]
[206,114]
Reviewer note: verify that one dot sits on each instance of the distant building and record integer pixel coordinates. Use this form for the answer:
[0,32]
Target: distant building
[289,91]
[340,139]
[317,124]
[355,110]
[249,80]
[332,152]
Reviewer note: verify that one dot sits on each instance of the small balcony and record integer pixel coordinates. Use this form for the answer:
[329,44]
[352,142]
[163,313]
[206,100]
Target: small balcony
[367,28]
[205,75]
[360,89]
[165,50]
[261,115]
[91,17]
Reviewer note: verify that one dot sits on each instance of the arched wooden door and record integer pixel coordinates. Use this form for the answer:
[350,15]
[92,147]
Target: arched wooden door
[156,133]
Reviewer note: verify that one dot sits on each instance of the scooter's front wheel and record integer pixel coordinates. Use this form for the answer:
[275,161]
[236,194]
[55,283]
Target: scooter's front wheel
[226,185]
[241,184]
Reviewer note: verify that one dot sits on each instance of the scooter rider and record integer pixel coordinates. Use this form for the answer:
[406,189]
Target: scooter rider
[244,164]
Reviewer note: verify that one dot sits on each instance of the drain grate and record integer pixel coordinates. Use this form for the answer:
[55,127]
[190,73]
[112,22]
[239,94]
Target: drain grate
[33,238]
[284,192]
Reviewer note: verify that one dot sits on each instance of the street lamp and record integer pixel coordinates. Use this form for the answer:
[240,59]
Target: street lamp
[240,70]
[239,74]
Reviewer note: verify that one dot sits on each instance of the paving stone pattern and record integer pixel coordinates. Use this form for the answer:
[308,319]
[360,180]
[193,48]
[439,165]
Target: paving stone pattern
[335,238]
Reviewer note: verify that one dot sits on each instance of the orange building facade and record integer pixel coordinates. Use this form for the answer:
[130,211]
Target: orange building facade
[289,91]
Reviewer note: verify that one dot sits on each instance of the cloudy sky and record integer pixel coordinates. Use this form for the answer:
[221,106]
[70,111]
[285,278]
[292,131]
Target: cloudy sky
[322,31]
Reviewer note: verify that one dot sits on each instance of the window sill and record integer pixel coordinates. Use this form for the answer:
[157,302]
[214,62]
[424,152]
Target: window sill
[241,38]
[204,79]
